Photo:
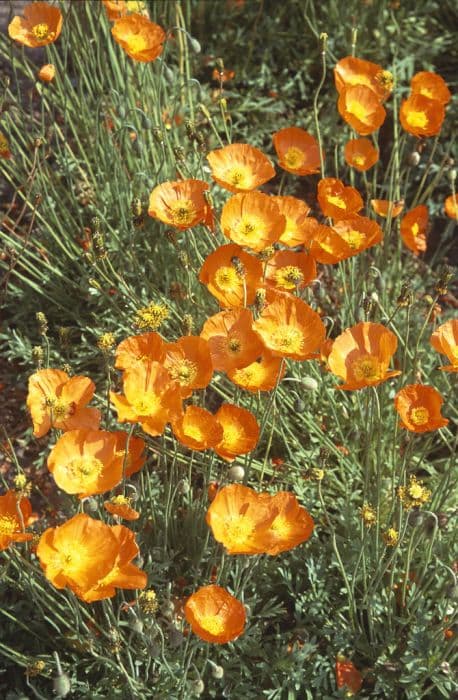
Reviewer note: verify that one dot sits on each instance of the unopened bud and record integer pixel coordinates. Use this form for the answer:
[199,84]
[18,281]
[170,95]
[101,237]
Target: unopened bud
[299,405]
[217,672]
[236,473]
[310,384]
[413,159]
[197,687]
[61,685]
[183,487]
[137,626]
[195,45]
[179,153]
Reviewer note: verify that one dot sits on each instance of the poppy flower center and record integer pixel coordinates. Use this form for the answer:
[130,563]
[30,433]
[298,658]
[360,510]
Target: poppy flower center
[288,339]
[183,212]
[281,526]
[289,276]
[227,278]
[239,530]
[359,160]
[358,110]
[8,525]
[194,432]
[184,371]
[41,31]
[354,239]
[419,416]
[148,405]
[248,226]
[294,157]
[239,177]
[234,344]
[385,79]
[366,368]
[212,624]
[336,201]
[416,119]
[83,468]
[415,229]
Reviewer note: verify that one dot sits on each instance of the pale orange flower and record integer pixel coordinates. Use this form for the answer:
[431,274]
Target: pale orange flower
[291,526]
[253,220]
[298,224]
[298,151]
[451,206]
[240,431]
[47,73]
[181,204]
[419,407]
[189,363]
[430,85]
[41,25]
[261,375]
[140,348]
[289,271]
[351,71]
[15,515]
[385,207]
[361,154]
[421,116]
[445,340]
[232,275]
[121,507]
[140,38]
[361,108]
[231,340]
[337,200]
[240,167]
[198,429]
[414,229]
[215,615]
[344,239]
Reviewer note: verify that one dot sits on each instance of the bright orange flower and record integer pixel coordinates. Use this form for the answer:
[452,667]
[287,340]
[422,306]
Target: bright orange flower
[260,375]
[289,327]
[15,515]
[338,201]
[450,205]
[47,73]
[120,8]
[414,229]
[419,407]
[240,519]
[121,507]
[135,458]
[90,557]
[421,116]
[240,167]
[292,526]
[344,239]
[41,25]
[298,225]
[198,429]
[231,275]
[360,154]
[360,107]
[151,398]
[140,38]
[146,347]
[189,363]
[289,271]
[361,355]
[181,204]
[298,151]
[4,147]
[240,431]
[445,340]
[385,207]
[351,71]
[430,85]
[347,675]
[231,340]
[252,220]
[215,615]
[58,401]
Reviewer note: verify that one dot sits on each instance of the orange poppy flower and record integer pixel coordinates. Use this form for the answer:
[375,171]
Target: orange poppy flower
[223,76]
[240,431]
[347,675]
[121,507]
[414,228]
[215,615]
[445,340]
[289,271]
[298,151]
[291,526]
[146,347]
[338,201]
[344,239]
[240,519]
[47,73]
[261,375]
[4,147]
[15,515]
[189,363]
[120,8]
[151,398]
[140,38]
[289,327]
[253,220]
[361,355]
[231,340]
[430,85]
[351,71]
[240,167]
[421,116]
[231,275]
[41,25]
[135,458]
[198,429]
[58,401]
[360,154]
[385,208]
[419,408]
[181,204]
[298,224]
[360,107]
[451,206]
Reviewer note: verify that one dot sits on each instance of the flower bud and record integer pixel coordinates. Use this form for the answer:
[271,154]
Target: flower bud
[61,685]
[217,672]
[310,384]
[183,487]
[236,473]
[197,687]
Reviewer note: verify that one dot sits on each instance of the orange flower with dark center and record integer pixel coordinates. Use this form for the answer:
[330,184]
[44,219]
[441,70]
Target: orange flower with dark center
[240,519]
[121,507]
[347,675]
[198,429]
[421,116]
[57,401]
[344,239]
[298,151]
[240,167]
[450,205]
[298,224]
[151,398]
[240,431]
[360,107]
[360,154]
[385,207]
[430,85]
[338,201]
[419,407]
[215,615]
[47,73]
[146,347]
[140,38]
[261,375]
[181,204]
[414,228]
[231,340]
[291,526]
[289,271]
[252,220]
[41,25]
[232,275]
[189,363]
[352,72]
[15,516]
[361,355]
[445,340]
[289,327]
[4,147]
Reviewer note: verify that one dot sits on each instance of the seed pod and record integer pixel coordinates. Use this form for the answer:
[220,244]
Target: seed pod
[236,473]
[299,405]
[310,384]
